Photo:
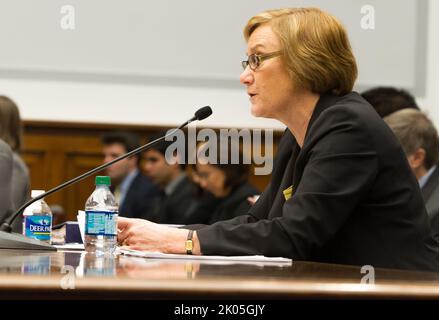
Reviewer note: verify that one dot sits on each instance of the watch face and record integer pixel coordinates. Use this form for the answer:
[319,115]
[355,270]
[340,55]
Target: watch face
[189,243]
[189,246]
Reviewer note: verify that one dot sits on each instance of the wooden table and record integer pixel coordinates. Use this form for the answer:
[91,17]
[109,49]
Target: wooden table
[70,275]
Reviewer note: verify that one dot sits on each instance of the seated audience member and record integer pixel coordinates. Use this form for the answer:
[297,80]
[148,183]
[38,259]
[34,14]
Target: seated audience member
[228,183]
[387,100]
[11,132]
[6,164]
[134,192]
[419,139]
[177,192]
[341,189]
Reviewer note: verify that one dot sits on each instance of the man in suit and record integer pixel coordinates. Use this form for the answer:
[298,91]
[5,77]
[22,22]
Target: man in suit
[419,139]
[5,179]
[386,100]
[177,192]
[134,192]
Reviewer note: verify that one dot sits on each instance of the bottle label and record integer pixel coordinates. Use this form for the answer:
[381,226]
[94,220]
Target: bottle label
[38,227]
[100,223]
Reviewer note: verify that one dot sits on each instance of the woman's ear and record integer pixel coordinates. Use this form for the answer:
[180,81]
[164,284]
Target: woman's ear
[417,159]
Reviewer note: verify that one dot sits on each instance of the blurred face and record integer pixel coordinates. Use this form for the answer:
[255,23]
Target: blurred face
[157,169]
[212,179]
[269,87]
[121,169]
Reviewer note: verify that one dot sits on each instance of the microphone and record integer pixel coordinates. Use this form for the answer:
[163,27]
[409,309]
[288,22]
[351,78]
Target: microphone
[10,240]
[202,113]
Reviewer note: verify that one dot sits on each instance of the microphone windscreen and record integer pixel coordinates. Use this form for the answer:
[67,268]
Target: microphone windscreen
[203,113]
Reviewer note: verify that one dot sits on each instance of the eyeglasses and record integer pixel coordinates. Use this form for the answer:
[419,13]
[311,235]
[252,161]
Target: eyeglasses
[255,60]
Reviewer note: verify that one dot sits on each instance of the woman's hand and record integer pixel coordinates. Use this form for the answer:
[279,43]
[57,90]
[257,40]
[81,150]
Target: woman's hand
[144,235]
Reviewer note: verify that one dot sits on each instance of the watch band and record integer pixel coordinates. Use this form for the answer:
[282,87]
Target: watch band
[189,245]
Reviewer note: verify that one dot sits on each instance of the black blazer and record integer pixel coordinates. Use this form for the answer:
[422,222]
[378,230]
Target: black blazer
[140,197]
[354,200]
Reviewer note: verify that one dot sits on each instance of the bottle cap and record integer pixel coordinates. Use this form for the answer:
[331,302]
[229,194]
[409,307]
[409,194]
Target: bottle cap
[103,180]
[36,193]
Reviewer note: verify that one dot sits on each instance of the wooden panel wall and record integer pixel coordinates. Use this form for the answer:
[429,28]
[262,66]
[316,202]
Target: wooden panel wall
[57,152]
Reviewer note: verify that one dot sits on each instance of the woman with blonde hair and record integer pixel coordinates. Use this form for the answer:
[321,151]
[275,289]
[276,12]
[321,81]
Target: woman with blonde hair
[341,190]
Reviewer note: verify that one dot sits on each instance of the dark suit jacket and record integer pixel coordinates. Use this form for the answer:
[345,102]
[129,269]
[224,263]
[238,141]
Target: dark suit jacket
[235,204]
[175,207]
[430,192]
[140,198]
[355,200]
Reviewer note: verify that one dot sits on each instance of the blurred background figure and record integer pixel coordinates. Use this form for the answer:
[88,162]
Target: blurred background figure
[5,179]
[387,100]
[176,202]
[419,139]
[228,183]
[134,192]
[11,132]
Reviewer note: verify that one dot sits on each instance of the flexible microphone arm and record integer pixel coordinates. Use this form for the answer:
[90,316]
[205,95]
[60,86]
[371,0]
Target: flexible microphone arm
[201,114]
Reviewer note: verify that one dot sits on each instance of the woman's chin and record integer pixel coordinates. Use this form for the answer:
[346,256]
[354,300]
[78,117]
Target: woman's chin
[256,111]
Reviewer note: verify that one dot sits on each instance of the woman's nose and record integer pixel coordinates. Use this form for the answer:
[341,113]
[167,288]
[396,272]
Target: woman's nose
[246,76]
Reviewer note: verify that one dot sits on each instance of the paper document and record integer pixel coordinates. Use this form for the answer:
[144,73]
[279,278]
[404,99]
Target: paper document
[159,255]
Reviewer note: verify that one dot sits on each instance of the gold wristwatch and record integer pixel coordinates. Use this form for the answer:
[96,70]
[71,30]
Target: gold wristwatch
[189,244]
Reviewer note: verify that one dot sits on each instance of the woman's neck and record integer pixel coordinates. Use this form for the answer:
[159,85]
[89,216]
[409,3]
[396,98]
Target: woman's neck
[299,114]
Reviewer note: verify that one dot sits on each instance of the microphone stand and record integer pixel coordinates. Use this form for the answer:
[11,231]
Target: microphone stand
[10,240]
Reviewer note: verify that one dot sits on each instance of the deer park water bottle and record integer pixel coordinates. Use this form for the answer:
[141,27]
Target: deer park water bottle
[101,212]
[37,219]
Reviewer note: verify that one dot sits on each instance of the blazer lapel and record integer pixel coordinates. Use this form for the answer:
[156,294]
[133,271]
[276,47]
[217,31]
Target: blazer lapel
[325,101]
[286,180]
[293,161]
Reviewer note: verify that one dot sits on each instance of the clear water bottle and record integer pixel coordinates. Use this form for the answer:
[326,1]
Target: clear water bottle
[101,211]
[37,219]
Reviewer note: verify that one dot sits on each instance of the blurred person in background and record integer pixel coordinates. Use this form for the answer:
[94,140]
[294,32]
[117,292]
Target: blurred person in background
[175,204]
[11,130]
[386,100]
[228,183]
[134,192]
[5,179]
[418,137]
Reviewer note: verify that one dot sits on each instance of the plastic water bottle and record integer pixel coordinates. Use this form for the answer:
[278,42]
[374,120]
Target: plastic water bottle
[101,212]
[37,219]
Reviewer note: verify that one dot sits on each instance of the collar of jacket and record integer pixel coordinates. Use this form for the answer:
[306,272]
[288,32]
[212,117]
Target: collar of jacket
[325,101]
